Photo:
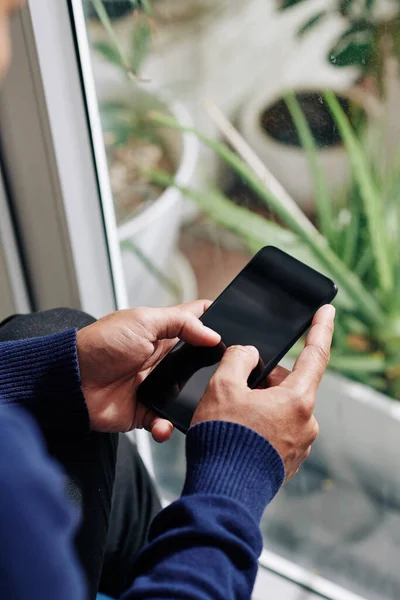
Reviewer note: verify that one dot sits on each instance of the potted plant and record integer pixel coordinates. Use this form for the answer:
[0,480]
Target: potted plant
[267,125]
[181,11]
[357,244]
[148,216]
[369,44]
[370,36]
[368,47]
[115,9]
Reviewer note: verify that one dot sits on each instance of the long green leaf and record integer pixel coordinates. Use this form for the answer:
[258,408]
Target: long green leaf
[346,280]
[106,22]
[108,52]
[323,200]
[140,41]
[361,363]
[350,239]
[254,230]
[164,280]
[371,199]
[312,22]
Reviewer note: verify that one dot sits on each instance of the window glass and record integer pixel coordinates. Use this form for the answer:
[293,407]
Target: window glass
[313,167]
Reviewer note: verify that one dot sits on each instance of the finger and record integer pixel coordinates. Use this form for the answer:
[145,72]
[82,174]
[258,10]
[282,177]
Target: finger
[197,308]
[181,322]
[314,358]
[277,376]
[161,430]
[236,365]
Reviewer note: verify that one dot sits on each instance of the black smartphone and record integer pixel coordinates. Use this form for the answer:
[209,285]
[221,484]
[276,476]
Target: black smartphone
[269,305]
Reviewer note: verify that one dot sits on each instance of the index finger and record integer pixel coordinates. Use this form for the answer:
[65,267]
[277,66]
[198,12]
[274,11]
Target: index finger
[181,322]
[197,307]
[314,358]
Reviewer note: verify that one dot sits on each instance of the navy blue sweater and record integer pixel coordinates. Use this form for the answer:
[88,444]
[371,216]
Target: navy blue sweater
[203,546]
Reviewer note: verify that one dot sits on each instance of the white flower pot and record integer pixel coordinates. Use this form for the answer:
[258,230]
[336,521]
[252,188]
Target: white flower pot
[339,518]
[155,229]
[360,435]
[289,164]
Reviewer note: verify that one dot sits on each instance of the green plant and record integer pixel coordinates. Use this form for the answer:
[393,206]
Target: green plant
[370,36]
[116,9]
[357,242]
[121,121]
[130,60]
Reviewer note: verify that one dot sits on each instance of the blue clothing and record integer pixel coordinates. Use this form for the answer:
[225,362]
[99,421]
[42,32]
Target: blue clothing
[203,546]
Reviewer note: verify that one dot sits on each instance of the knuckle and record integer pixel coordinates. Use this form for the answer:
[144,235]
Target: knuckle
[320,353]
[314,430]
[244,350]
[302,408]
[330,327]
[140,313]
[220,385]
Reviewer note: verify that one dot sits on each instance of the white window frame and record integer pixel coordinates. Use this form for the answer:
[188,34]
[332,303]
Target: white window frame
[49,165]
[50,129]
[14,297]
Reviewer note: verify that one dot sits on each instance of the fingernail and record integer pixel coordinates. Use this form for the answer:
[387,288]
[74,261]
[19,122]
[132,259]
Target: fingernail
[211,331]
[253,350]
[330,311]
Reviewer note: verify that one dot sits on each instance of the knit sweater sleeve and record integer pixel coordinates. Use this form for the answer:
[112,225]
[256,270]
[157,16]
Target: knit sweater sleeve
[42,375]
[205,546]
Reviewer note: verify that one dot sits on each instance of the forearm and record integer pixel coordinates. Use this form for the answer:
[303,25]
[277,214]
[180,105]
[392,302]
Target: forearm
[206,545]
[37,525]
[42,376]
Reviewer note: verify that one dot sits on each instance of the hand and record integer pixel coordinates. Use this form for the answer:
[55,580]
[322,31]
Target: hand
[283,413]
[117,352]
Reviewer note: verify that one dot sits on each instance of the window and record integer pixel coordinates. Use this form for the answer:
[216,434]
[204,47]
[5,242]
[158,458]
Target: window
[156,215]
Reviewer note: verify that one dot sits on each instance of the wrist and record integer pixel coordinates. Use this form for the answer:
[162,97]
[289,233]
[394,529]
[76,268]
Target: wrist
[231,460]
[42,375]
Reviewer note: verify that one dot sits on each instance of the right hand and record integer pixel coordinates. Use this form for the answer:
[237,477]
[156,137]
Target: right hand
[283,413]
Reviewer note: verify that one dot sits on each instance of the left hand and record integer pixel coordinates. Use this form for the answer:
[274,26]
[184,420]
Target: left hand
[117,352]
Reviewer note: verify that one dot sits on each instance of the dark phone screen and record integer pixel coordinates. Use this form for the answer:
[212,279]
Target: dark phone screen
[269,305]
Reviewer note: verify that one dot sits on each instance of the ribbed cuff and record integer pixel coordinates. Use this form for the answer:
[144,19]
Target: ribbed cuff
[234,461]
[42,375]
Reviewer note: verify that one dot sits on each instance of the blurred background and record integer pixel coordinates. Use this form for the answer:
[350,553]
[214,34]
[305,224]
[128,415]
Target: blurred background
[180,137]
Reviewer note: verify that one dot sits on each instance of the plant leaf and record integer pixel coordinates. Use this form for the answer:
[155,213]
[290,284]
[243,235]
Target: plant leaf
[123,61]
[323,201]
[346,280]
[140,41]
[354,47]
[311,23]
[285,4]
[345,7]
[255,231]
[108,52]
[369,194]
[146,5]
[369,5]
[351,54]
[164,280]
[357,363]
[350,239]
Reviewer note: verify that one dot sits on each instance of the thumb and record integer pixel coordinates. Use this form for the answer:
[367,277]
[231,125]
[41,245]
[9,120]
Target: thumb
[237,364]
[180,322]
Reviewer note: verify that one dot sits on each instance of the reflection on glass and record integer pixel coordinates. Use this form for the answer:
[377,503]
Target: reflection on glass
[314,92]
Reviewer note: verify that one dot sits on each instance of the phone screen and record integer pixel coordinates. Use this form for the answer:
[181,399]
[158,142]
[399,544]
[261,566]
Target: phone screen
[269,305]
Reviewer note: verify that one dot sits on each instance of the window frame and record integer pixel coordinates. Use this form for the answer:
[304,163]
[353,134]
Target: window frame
[14,291]
[66,225]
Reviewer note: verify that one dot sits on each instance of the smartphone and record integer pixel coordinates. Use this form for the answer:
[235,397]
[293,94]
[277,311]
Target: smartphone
[269,305]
